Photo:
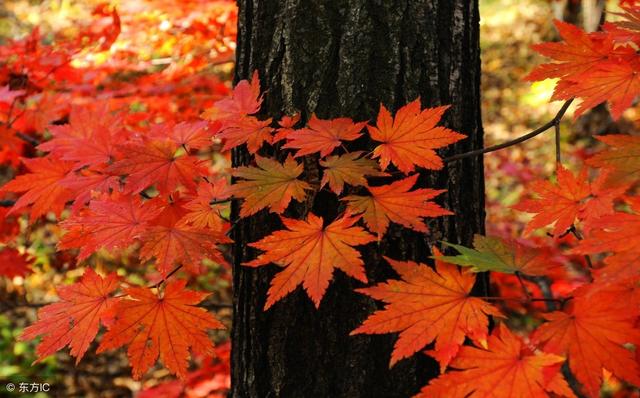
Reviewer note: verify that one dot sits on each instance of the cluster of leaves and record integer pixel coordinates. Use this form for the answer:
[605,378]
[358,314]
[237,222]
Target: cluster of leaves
[110,142]
[590,325]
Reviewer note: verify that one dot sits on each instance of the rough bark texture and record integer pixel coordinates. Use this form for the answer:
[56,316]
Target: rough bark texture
[344,58]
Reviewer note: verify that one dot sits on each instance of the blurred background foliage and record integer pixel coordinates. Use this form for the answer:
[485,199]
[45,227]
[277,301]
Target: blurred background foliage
[174,58]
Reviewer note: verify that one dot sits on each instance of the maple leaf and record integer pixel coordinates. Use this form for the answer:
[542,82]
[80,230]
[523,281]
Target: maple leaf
[7,96]
[569,199]
[41,187]
[245,100]
[9,227]
[623,157]
[200,212]
[349,168]
[286,127]
[592,334]
[155,162]
[310,252]
[13,263]
[75,320]
[409,139]
[271,185]
[395,203]
[113,222]
[89,139]
[166,325]
[616,81]
[246,130]
[427,305]
[323,135]
[171,241]
[500,255]
[506,368]
[37,118]
[192,135]
[578,53]
[618,233]
[87,183]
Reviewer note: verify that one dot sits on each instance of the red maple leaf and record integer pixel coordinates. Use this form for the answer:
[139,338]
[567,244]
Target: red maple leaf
[170,241]
[158,163]
[165,325]
[75,320]
[571,198]
[13,263]
[41,188]
[112,222]
[323,135]
[89,139]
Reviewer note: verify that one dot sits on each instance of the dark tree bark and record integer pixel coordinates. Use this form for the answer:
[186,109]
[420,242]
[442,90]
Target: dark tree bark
[343,58]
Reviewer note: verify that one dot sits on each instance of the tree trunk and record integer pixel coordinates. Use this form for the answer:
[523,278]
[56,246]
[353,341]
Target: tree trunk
[343,58]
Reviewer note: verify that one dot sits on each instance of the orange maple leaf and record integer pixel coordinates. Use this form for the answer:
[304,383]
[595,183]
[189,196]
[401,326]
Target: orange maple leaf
[271,185]
[41,187]
[155,162]
[507,368]
[409,139]
[166,325]
[201,213]
[246,130]
[245,100]
[310,252]
[623,157]
[592,334]
[395,203]
[427,305]
[286,124]
[349,168]
[570,198]
[578,53]
[590,66]
[619,233]
[192,135]
[171,241]
[75,320]
[323,135]
[617,82]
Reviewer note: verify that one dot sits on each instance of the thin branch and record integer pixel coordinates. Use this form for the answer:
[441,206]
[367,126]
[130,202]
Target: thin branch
[558,154]
[523,299]
[523,286]
[28,139]
[169,275]
[7,203]
[220,201]
[579,236]
[553,122]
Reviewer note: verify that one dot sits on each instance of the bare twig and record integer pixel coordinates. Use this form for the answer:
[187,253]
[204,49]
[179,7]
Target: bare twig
[169,275]
[553,122]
